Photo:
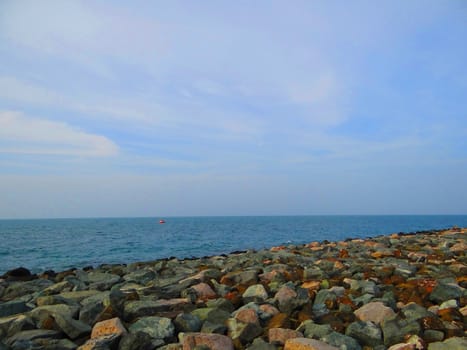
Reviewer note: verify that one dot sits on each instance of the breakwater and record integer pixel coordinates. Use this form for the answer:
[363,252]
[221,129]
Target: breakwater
[401,291]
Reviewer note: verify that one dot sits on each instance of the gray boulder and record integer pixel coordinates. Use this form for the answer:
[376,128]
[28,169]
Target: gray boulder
[156,327]
[367,333]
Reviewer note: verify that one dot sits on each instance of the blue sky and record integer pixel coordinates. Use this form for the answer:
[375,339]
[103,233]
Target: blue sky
[160,108]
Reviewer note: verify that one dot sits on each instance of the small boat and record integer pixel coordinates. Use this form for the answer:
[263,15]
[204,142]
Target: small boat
[161,221]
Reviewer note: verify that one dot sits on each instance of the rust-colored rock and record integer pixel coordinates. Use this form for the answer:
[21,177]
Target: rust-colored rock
[108,327]
[279,320]
[213,341]
[307,344]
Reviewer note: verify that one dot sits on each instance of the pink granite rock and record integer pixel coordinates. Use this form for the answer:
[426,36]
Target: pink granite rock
[204,291]
[247,316]
[375,312]
[281,335]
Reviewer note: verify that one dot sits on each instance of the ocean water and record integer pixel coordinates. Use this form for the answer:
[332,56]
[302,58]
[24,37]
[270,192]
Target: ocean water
[59,244]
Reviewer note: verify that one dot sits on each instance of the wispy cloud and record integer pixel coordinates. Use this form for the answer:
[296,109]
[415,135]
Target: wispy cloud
[21,134]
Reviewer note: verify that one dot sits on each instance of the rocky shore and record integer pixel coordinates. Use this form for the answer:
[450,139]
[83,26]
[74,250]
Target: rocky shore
[397,292]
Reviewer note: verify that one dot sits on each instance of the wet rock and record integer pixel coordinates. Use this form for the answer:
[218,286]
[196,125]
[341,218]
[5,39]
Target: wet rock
[213,341]
[156,327]
[307,344]
[375,312]
[366,333]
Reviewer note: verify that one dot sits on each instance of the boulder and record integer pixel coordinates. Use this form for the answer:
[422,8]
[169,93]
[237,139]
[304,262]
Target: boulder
[14,324]
[280,335]
[186,322]
[243,332]
[314,330]
[455,343]
[107,342]
[255,293]
[72,328]
[446,291]
[139,341]
[108,327]
[156,327]
[214,341]
[13,307]
[367,333]
[375,312]
[341,341]
[32,335]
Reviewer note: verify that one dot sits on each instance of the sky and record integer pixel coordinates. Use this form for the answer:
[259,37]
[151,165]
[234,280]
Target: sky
[187,108]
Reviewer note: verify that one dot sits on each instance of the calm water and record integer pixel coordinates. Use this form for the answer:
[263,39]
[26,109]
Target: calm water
[59,244]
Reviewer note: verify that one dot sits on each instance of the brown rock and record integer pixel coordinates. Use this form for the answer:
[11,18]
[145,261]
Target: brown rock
[281,335]
[307,344]
[108,327]
[213,341]
[247,316]
[279,320]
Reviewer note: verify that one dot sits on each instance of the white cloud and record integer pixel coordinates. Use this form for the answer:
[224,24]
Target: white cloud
[20,134]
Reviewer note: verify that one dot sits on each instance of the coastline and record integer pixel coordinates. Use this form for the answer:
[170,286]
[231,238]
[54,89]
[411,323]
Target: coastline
[371,293]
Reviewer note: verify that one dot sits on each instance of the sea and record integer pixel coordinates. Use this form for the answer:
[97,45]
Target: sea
[60,244]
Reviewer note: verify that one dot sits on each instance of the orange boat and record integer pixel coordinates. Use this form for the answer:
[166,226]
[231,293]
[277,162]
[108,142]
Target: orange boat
[161,221]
